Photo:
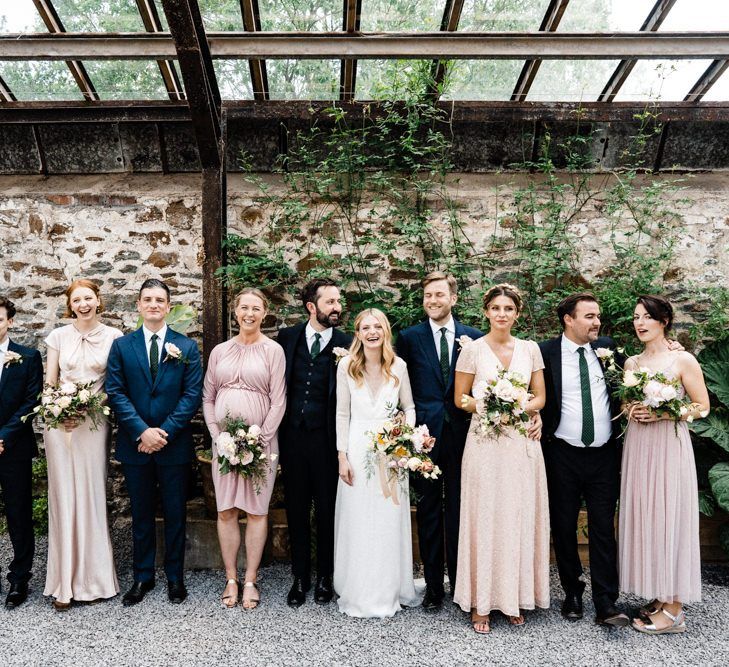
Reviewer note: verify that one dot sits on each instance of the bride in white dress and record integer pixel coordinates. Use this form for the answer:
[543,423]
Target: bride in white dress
[373,557]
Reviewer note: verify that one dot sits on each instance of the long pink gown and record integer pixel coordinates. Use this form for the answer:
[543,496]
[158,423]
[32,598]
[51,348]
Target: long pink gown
[80,559]
[658,535]
[503,542]
[249,382]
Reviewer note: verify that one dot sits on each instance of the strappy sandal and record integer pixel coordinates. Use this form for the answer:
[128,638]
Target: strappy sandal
[647,610]
[230,601]
[482,626]
[516,620]
[251,603]
[678,624]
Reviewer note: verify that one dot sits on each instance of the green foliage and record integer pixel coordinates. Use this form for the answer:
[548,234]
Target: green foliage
[180,318]
[713,322]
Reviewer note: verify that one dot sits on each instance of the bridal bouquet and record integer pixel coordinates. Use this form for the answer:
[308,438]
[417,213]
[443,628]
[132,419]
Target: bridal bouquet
[398,449]
[501,403]
[654,390]
[70,400]
[240,450]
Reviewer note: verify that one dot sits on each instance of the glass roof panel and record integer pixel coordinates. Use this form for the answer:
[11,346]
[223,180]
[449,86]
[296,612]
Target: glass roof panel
[234,79]
[502,15]
[303,79]
[689,15]
[20,16]
[219,14]
[482,79]
[312,16]
[666,80]
[126,79]
[570,80]
[398,16]
[42,81]
[390,79]
[719,92]
[99,15]
[598,15]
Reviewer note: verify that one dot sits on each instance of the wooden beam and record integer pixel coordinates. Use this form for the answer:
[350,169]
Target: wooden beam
[55,26]
[152,23]
[351,23]
[449,23]
[259,74]
[6,95]
[418,46]
[550,22]
[655,18]
[707,80]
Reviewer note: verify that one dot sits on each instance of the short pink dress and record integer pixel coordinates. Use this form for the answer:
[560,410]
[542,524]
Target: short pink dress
[246,381]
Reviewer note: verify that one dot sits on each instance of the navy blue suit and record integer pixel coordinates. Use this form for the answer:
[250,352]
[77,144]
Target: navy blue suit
[448,424]
[20,385]
[169,402]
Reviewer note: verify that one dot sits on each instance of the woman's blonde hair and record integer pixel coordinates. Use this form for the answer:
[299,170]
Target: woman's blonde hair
[356,349]
[253,291]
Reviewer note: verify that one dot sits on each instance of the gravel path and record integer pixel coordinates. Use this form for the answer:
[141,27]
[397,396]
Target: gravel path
[199,632]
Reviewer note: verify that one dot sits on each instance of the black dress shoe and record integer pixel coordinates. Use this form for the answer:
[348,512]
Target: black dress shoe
[324,591]
[297,594]
[572,606]
[612,616]
[17,594]
[137,592]
[432,600]
[176,592]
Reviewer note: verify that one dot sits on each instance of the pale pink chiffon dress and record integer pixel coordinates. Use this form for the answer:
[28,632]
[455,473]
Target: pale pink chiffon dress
[658,537]
[80,558]
[503,542]
[248,382]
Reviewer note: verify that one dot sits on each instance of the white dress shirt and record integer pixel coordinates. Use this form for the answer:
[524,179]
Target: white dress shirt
[326,336]
[3,350]
[148,339]
[450,335]
[570,423]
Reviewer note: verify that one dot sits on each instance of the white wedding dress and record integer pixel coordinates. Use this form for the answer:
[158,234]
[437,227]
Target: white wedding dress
[373,556]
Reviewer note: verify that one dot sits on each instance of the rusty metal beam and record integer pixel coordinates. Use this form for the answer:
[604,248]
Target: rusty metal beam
[196,65]
[655,18]
[550,22]
[55,26]
[449,23]
[351,23]
[418,46]
[707,80]
[6,95]
[152,23]
[259,74]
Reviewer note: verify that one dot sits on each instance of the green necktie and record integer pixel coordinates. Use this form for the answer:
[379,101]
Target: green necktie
[588,422]
[154,356]
[316,346]
[445,362]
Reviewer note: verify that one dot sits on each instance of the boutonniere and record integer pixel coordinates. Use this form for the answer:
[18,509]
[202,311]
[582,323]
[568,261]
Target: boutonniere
[463,341]
[606,355]
[12,358]
[174,353]
[339,354]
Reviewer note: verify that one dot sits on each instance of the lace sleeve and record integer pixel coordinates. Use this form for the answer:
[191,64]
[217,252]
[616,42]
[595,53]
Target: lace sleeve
[343,406]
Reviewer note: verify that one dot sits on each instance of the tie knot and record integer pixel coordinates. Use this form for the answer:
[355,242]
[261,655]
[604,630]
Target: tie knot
[581,351]
[443,331]
[155,337]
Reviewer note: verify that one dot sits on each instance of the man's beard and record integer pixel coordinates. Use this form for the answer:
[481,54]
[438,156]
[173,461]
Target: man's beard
[331,320]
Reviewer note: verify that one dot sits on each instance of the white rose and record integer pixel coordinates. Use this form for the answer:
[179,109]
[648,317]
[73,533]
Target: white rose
[668,392]
[630,379]
[173,351]
[254,431]
[63,402]
[683,411]
[522,397]
[234,460]
[388,425]
[246,458]
[84,395]
[240,433]
[46,400]
[652,393]
[273,457]
[68,388]
[55,410]
[504,390]
[413,463]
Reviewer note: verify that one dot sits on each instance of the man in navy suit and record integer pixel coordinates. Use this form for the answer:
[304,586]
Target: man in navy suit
[21,381]
[431,350]
[154,383]
[307,436]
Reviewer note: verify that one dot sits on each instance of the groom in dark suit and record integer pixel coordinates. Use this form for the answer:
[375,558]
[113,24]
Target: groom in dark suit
[307,436]
[580,439]
[21,380]
[431,350]
[154,383]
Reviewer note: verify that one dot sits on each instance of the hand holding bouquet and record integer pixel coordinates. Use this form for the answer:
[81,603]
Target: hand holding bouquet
[501,403]
[70,401]
[240,450]
[656,391]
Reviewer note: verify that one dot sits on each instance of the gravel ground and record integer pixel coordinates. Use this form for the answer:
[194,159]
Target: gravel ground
[199,632]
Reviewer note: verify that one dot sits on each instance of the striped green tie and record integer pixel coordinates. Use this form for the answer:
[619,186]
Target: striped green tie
[588,421]
[316,346]
[153,356]
[445,362]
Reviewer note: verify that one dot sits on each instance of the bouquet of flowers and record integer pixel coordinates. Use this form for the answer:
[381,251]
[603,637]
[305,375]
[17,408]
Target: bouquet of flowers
[501,403]
[70,400]
[397,449]
[656,391]
[240,450]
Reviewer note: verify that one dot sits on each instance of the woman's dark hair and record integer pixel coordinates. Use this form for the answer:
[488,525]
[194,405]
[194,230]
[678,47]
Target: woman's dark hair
[568,304]
[310,291]
[658,308]
[9,307]
[154,283]
[503,289]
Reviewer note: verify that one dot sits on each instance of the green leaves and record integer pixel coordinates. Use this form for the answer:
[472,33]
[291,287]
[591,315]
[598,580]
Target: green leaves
[714,361]
[719,480]
[714,427]
[180,318]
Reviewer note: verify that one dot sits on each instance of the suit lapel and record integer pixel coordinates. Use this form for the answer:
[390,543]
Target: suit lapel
[9,371]
[426,342]
[555,362]
[162,361]
[460,331]
[335,341]
[141,351]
